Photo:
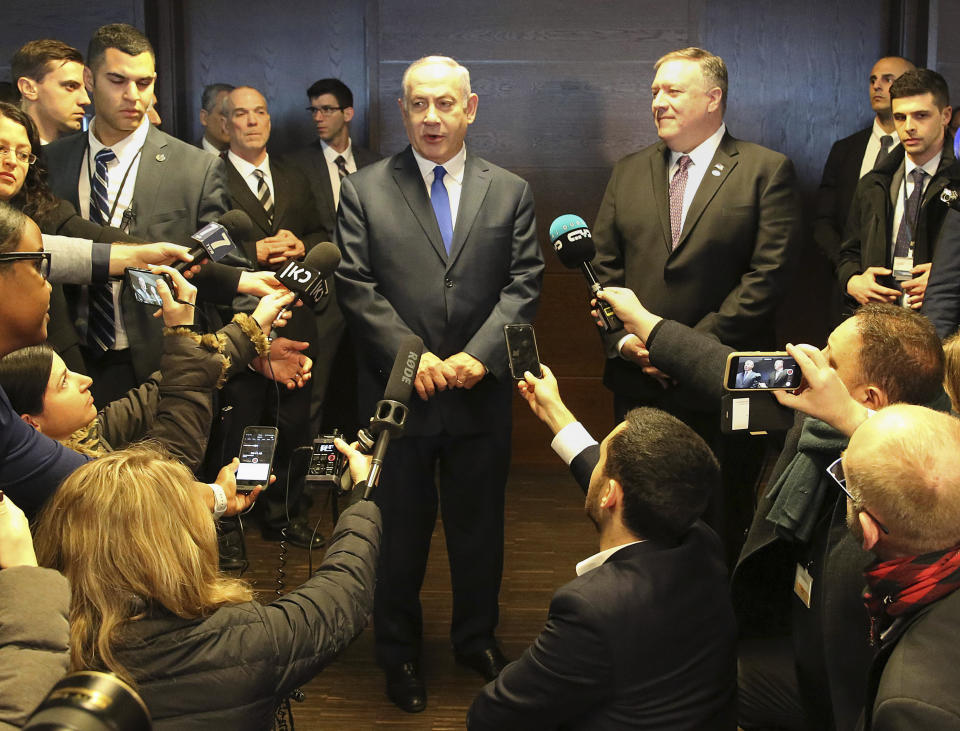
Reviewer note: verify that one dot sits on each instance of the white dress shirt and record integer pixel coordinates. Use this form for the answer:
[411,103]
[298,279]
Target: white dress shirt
[452,181]
[125,165]
[209,147]
[248,170]
[700,158]
[331,155]
[873,147]
[930,167]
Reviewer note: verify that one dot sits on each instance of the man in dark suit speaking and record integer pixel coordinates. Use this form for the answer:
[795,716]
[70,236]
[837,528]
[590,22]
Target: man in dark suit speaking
[644,637]
[439,243]
[700,225]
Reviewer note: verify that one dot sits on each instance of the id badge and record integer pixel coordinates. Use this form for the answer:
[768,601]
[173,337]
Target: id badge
[803,585]
[903,267]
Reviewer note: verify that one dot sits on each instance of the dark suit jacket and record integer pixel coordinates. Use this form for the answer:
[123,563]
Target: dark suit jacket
[748,380]
[776,381]
[841,174]
[311,161]
[396,279]
[178,189]
[644,641]
[913,681]
[941,303]
[869,228]
[735,255]
[295,209]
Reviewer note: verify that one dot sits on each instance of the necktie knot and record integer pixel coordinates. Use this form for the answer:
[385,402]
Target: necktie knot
[918,174]
[683,163]
[438,172]
[259,174]
[105,156]
[885,142]
[341,163]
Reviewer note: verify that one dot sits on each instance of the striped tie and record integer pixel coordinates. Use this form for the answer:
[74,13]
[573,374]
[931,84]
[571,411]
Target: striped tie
[101,320]
[263,193]
[341,163]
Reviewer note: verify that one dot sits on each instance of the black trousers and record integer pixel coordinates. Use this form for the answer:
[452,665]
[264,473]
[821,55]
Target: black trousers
[465,477]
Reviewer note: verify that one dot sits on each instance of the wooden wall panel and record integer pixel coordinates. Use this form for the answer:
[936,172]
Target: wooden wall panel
[280,50]
[25,20]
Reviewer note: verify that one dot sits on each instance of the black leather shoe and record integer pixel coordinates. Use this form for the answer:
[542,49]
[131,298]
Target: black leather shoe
[488,662]
[231,549]
[405,687]
[298,534]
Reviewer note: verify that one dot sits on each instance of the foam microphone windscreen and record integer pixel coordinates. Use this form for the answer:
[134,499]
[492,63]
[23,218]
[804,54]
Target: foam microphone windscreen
[572,241]
[324,257]
[238,224]
[404,370]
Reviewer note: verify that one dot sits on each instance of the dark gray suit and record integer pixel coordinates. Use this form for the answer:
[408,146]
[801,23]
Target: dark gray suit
[395,279]
[335,362]
[178,189]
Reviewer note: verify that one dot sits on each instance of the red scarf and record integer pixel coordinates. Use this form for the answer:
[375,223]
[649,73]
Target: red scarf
[904,585]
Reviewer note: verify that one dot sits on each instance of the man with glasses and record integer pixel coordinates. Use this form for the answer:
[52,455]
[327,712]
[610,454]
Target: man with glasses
[900,476]
[803,650]
[325,162]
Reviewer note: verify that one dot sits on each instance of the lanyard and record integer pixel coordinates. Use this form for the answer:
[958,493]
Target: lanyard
[123,180]
[912,226]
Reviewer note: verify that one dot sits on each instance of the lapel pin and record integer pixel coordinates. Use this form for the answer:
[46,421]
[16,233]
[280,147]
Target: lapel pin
[161,157]
[715,173]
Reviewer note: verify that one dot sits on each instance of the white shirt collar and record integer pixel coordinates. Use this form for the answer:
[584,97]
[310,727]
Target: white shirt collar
[930,166]
[209,146]
[330,155]
[246,168]
[702,154]
[879,132]
[597,559]
[454,166]
[128,146]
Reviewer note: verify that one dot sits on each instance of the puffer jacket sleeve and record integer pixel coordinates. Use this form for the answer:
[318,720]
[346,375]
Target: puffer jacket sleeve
[311,625]
[34,634]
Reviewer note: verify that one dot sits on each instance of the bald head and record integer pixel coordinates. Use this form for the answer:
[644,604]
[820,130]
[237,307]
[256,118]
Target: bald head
[903,466]
[247,121]
[885,72]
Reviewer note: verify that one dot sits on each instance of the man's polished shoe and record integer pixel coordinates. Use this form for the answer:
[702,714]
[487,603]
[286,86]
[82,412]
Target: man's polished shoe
[299,533]
[488,662]
[405,687]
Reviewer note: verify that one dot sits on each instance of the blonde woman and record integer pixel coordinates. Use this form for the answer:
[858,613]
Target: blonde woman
[138,546]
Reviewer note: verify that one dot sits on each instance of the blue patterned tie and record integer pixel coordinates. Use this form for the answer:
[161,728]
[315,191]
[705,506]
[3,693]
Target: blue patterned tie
[101,318]
[441,206]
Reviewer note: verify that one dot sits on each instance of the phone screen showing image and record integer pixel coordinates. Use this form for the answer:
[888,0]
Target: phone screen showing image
[256,456]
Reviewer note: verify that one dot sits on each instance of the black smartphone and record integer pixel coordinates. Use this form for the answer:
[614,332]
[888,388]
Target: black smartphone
[257,446]
[522,350]
[144,285]
[767,370]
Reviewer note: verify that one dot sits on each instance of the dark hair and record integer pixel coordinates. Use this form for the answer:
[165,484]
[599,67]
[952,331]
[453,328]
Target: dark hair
[900,352]
[210,94]
[12,223]
[33,58]
[667,473]
[120,36]
[24,375]
[921,81]
[34,198]
[331,86]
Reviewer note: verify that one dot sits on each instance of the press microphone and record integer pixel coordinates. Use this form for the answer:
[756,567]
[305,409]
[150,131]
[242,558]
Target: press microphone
[390,414]
[215,240]
[307,277]
[573,243]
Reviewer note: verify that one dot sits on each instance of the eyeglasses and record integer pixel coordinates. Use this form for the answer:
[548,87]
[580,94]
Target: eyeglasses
[324,111]
[41,260]
[835,470]
[26,158]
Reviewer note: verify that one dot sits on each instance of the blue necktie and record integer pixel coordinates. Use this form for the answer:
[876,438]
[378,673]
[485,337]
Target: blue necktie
[101,318]
[441,206]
